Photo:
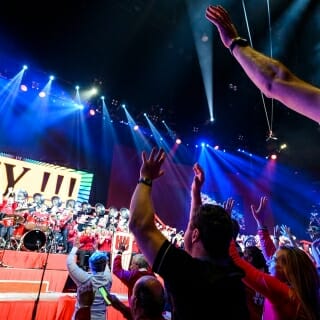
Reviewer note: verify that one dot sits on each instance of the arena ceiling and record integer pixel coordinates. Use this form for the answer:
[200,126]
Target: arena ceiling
[145,54]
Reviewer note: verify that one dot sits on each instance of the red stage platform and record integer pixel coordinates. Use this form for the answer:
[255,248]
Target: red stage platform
[20,281]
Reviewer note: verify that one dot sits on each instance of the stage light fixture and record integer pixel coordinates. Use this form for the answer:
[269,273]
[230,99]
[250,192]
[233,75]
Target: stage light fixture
[135,127]
[51,78]
[178,141]
[42,94]
[23,88]
[25,67]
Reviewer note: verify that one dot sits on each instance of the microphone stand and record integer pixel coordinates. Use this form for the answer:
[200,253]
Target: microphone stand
[36,302]
[5,247]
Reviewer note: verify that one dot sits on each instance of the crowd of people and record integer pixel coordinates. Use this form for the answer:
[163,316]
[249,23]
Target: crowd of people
[211,276]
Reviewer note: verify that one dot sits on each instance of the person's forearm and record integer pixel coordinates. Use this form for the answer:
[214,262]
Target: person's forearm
[261,69]
[276,81]
[141,208]
[196,200]
[141,222]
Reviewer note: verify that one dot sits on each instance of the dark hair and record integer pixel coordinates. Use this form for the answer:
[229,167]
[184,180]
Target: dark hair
[215,229]
[235,228]
[257,258]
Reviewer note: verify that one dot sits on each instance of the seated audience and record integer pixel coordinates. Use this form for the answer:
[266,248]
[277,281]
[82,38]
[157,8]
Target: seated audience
[202,281]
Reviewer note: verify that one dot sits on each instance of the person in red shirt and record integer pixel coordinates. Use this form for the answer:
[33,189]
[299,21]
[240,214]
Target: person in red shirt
[139,267]
[291,290]
[87,246]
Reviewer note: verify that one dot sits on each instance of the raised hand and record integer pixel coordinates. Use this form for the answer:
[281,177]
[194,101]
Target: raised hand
[198,179]
[151,167]
[228,205]
[259,213]
[221,19]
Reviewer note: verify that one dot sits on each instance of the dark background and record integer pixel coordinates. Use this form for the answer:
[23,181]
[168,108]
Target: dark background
[143,54]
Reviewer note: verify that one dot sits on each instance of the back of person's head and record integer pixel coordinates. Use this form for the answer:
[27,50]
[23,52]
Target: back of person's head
[148,297]
[215,229]
[98,261]
[302,276]
[140,261]
[254,255]
[235,228]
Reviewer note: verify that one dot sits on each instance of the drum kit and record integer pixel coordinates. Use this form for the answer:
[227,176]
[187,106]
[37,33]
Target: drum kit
[29,231]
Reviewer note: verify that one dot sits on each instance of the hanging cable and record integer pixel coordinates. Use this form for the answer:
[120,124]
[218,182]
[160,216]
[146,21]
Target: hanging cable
[270,136]
[271,55]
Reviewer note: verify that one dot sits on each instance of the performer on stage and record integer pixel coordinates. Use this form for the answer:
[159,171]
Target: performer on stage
[87,245]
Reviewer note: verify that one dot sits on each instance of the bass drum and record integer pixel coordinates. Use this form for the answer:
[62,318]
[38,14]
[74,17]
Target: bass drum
[33,240]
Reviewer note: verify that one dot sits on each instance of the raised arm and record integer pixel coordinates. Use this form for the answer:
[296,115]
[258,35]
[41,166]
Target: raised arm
[273,78]
[196,186]
[259,214]
[141,222]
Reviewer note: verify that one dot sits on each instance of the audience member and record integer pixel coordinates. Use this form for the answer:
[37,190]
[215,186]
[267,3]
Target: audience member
[291,290]
[139,267]
[273,78]
[98,275]
[255,300]
[201,280]
[147,300]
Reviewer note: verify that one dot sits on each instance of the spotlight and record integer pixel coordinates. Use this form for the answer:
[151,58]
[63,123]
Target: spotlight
[23,88]
[102,97]
[51,78]
[25,67]
[123,106]
[77,88]
[92,112]
[94,91]
[135,127]
[273,156]
[216,148]
[178,141]
[42,94]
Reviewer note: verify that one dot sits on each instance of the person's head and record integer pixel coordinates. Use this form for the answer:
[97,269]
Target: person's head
[292,265]
[254,256]
[148,298]
[210,228]
[235,228]
[98,261]
[138,262]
